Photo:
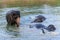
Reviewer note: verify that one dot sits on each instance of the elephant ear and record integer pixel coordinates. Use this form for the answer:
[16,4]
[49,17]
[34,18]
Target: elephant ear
[9,19]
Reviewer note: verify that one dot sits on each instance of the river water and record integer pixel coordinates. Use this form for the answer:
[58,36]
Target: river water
[28,14]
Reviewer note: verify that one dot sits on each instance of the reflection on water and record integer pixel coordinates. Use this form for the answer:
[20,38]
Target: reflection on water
[12,30]
[28,15]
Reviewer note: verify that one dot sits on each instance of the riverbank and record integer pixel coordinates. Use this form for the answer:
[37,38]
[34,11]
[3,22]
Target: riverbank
[14,3]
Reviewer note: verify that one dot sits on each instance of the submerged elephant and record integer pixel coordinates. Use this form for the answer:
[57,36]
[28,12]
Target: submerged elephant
[13,17]
[42,27]
[39,18]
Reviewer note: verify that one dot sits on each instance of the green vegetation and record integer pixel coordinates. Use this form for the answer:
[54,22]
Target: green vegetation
[14,3]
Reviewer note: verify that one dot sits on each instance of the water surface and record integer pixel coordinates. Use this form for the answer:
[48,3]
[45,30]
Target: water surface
[52,15]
